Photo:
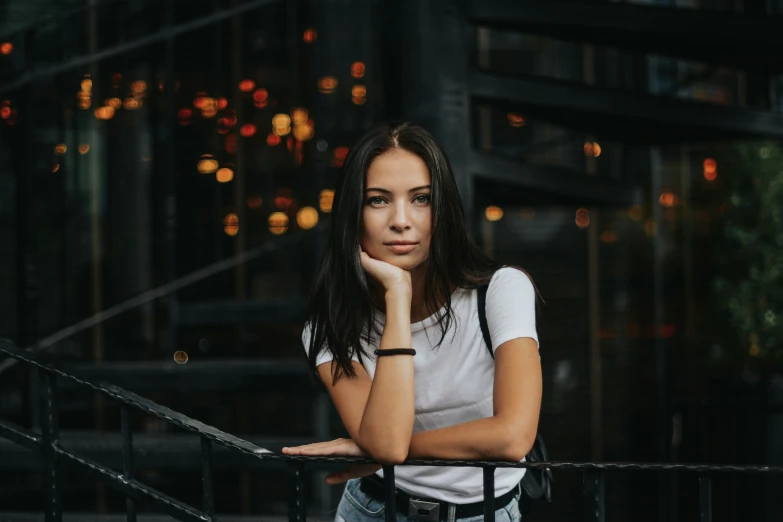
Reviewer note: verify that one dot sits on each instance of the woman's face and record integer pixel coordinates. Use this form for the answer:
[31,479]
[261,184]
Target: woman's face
[397,213]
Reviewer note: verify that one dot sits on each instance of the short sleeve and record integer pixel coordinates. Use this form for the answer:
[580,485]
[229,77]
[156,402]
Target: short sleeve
[324,355]
[511,307]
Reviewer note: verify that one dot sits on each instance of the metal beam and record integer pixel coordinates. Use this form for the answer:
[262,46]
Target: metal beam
[565,184]
[196,376]
[31,76]
[718,37]
[169,451]
[628,116]
[232,312]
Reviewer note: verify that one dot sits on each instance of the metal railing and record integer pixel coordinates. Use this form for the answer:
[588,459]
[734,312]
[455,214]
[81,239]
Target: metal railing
[47,443]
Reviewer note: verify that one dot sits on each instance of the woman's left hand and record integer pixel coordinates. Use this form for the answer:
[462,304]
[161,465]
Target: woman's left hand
[341,447]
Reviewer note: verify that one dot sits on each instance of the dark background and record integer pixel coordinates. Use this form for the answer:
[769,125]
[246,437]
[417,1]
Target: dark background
[627,154]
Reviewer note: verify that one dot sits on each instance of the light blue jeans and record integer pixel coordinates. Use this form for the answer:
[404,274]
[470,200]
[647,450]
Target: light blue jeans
[355,506]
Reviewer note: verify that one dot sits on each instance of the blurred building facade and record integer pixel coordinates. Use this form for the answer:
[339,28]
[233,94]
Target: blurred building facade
[626,153]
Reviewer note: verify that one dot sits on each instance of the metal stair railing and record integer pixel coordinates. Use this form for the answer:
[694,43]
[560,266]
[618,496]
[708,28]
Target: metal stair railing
[47,443]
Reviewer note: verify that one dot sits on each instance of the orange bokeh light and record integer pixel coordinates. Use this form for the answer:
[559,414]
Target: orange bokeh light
[222,103]
[340,154]
[247,130]
[310,35]
[493,213]
[6,48]
[357,69]
[592,149]
[327,84]
[515,119]
[104,113]
[582,218]
[224,175]
[667,198]
[273,139]
[325,200]
[710,169]
[247,85]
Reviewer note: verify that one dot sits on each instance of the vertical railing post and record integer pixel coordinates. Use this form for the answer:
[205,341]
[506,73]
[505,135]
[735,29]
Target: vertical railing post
[489,494]
[593,496]
[206,477]
[50,436]
[389,496]
[127,458]
[705,498]
[297,508]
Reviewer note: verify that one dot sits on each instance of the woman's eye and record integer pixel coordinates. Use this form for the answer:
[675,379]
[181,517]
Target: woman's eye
[423,198]
[376,200]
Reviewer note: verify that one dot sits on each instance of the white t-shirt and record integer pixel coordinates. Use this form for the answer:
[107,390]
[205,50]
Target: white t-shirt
[454,382]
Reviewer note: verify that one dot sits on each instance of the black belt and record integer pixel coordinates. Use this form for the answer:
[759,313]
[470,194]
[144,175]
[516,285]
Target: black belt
[427,508]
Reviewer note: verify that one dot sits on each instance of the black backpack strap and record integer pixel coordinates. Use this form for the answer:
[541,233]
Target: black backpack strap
[482,305]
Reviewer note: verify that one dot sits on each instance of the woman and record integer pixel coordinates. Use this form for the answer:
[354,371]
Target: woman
[400,271]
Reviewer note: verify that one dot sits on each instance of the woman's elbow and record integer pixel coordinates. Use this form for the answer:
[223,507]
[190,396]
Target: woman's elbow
[390,455]
[517,445]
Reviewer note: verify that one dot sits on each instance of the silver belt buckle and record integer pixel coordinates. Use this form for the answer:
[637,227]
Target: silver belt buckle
[420,510]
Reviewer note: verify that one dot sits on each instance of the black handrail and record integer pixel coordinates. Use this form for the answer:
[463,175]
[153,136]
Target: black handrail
[53,453]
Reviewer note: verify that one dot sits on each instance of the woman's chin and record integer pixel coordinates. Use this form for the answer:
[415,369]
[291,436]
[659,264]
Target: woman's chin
[403,262]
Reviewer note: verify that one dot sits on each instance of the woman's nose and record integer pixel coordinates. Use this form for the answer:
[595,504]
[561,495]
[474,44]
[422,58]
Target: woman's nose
[401,217]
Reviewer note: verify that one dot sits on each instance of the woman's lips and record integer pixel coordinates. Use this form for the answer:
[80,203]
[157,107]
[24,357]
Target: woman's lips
[402,248]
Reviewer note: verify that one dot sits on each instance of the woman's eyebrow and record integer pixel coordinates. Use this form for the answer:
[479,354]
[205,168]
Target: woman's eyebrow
[385,191]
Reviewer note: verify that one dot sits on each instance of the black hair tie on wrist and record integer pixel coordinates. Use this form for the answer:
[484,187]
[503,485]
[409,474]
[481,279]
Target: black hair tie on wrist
[395,351]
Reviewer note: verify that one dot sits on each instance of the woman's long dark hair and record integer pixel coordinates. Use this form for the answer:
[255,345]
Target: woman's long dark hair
[340,310]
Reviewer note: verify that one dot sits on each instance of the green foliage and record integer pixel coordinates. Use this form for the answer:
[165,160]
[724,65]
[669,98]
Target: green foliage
[748,287]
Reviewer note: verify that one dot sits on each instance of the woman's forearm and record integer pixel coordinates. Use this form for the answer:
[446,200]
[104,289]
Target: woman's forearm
[491,438]
[387,422]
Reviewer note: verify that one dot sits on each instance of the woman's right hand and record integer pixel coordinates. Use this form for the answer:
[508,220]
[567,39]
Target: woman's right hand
[390,277]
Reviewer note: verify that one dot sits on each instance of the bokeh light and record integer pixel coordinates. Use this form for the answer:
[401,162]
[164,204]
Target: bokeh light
[310,35]
[493,213]
[247,85]
[327,84]
[60,149]
[592,149]
[131,104]
[278,223]
[180,357]
[104,113]
[325,200]
[357,69]
[299,115]
[83,148]
[224,175]
[582,218]
[667,198]
[304,132]
[339,156]
[515,119]
[710,169]
[207,164]
[261,98]
[283,198]
[273,140]
[608,236]
[231,224]
[6,48]
[307,218]
[247,130]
